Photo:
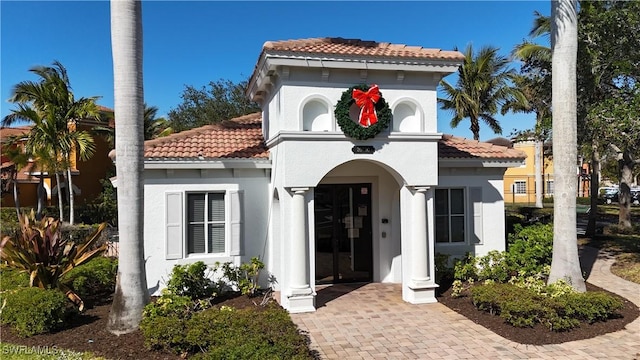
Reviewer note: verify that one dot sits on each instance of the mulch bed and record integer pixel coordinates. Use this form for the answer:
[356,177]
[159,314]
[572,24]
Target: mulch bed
[88,332]
[540,335]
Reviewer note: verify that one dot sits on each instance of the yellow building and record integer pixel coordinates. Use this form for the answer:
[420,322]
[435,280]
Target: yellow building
[86,174]
[520,182]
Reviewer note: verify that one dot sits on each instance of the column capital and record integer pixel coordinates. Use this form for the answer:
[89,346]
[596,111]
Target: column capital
[299,190]
[421,188]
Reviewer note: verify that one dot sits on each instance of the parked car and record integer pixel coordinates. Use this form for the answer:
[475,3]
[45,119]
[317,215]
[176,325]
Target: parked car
[609,196]
[635,196]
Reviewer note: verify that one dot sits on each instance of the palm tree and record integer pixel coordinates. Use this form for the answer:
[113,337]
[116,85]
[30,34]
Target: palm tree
[13,151]
[565,263]
[50,105]
[131,293]
[483,86]
[529,49]
[155,127]
[535,83]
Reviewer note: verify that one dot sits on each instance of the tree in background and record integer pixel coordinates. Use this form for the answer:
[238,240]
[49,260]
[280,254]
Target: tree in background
[565,263]
[608,87]
[155,127]
[131,294]
[222,100]
[482,89]
[534,81]
[50,105]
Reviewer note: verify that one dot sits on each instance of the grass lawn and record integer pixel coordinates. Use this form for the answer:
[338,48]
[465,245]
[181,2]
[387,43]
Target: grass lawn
[23,352]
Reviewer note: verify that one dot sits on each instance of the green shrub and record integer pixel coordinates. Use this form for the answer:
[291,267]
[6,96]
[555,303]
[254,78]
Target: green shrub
[583,200]
[164,322]
[589,306]
[246,334]
[40,250]
[95,279]
[191,280]
[530,249]
[34,311]
[165,333]
[555,307]
[528,254]
[104,208]
[11,279]
[243,278]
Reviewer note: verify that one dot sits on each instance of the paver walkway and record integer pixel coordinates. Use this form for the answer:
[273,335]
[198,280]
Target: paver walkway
[372,322]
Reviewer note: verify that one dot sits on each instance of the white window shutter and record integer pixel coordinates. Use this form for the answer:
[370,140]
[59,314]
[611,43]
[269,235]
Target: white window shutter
[174,233]
[236,217]
[475,214]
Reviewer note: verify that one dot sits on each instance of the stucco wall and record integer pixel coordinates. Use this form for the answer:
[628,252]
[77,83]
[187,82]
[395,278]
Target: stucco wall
[493,218]
[254,183]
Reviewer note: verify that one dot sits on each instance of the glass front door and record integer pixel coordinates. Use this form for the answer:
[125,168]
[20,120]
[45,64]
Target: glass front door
[343,233]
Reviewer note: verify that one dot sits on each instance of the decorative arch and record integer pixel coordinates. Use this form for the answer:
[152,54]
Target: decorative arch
[407,116]
[316,114]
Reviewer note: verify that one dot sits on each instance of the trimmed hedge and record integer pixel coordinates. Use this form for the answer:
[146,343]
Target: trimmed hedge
[225,333]
[32,310]
[94,280]
[11,279]
[522,307]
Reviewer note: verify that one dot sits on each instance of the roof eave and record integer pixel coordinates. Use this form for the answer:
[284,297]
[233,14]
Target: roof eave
[195,163]
[270,60]
[480,162]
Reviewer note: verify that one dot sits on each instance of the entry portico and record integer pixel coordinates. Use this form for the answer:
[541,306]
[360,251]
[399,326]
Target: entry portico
[317,203]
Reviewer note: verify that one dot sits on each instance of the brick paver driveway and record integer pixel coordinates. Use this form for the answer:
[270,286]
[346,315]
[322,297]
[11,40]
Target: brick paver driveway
[372,322]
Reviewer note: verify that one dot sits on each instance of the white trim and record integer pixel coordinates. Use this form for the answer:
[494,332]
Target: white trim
[477,162]
[181,163]
[339,136]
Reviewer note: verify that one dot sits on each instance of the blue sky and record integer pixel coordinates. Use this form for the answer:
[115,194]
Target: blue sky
[192,43]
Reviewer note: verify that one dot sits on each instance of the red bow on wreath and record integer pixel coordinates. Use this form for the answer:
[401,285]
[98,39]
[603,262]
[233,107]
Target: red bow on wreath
[366,101]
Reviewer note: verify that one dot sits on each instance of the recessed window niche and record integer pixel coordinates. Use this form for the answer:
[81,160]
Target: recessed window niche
[406,118]
[316,116]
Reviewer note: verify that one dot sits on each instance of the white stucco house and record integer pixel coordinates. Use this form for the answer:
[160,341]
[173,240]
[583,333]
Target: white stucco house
[293,187]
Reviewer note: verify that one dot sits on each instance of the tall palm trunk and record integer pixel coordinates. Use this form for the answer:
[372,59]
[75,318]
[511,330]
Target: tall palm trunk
[593,190]
[565,263]
[71,198]
[131,293]
[14,183]
[60,205]
[537,160]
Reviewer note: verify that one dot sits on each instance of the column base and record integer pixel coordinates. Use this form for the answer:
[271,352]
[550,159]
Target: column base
[420,293]
[302,303]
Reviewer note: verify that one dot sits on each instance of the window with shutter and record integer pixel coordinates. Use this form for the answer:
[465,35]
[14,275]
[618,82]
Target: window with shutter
[450,216]
[206,223]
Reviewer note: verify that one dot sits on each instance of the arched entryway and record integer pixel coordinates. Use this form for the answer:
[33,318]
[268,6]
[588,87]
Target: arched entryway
[356,232]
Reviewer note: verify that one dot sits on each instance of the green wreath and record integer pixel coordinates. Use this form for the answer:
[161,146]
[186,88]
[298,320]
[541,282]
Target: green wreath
[352,128]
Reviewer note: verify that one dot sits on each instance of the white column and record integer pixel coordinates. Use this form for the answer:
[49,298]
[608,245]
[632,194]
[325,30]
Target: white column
[298,254]
[419,240]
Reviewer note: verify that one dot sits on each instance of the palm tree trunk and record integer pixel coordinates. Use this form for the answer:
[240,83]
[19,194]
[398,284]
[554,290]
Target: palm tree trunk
[565,263]
[60,205]
[16,200]
[40,193]
[131,293]
[538,169]
[71,197]
[595,182]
